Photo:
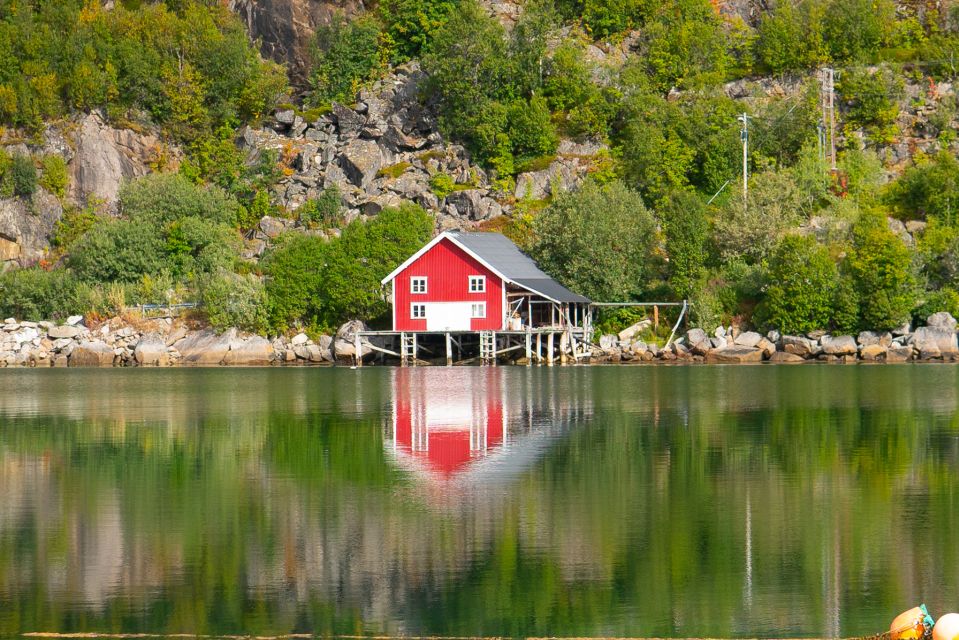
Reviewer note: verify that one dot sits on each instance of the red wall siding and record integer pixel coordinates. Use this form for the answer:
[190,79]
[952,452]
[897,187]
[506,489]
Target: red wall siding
[447,269]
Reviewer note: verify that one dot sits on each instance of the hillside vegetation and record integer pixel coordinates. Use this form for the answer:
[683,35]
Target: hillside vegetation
[870,245]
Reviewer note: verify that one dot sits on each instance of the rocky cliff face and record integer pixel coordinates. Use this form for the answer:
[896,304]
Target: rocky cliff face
[386,149]
[285,28]
[99,158]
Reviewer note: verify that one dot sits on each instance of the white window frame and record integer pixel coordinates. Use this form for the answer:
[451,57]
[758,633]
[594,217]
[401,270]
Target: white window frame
[413,308]
[415,280]
[480,281]
[478,310]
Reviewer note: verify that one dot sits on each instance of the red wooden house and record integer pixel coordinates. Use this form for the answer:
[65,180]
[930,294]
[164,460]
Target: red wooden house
[472,281]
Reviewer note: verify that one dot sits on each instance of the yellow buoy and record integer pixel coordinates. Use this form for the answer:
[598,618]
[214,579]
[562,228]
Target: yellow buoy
[912,624]
[947,627]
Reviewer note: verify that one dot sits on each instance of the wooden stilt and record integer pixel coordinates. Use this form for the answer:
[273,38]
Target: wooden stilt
[539,348]
[529,348]
[449,351]
[358,349]
[549,348]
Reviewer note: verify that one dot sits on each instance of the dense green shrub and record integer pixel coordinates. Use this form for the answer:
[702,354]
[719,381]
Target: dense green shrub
[934,302]
[929,189]
[872,99]
[35,294]
[294,270]
[408,25]
[365,253]
[597,241]
[531,130]
[161,198]
[686,231]
[346,55]
[23,175]
[231,300]
[802,286]
[118,250]
[54,175]
[325,211]
[881,269]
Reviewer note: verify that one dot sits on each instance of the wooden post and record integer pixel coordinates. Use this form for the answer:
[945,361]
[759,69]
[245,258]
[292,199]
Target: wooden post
[549,348]
[493,355]
[357,346]
[539,348]
[449,350]
[656,316]
[529,347]
[416,345]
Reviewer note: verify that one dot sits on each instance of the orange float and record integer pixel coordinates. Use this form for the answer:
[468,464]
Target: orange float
[947,627]
[912,625]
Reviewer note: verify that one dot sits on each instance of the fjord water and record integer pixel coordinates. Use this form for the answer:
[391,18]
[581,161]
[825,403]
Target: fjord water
[629,501]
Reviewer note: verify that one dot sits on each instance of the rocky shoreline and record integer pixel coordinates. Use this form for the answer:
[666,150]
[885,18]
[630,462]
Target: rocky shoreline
[167,342]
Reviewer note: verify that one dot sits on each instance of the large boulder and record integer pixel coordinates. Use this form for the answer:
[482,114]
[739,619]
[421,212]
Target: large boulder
[748,339]
[344,345]
[253,351]
[361,160]
[92,353]
[64,331]
[152,351]
[735,355]
[873,352]
[941,320]
[800,346]
[474,204]
[869,338]
[205,347]
[839,345]
[782,357]
[933,343]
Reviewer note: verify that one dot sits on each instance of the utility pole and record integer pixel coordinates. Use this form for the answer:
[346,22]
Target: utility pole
[744,135]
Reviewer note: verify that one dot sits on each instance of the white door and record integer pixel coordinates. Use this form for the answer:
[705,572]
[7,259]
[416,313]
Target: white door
[448,316]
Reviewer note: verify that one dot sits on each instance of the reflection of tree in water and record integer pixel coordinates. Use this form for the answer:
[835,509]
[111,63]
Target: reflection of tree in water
[285,510]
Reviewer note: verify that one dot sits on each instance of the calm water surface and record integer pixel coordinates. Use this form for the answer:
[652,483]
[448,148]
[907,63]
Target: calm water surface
[644,501]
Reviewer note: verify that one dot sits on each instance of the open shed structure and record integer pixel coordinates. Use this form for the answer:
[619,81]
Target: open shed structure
[464,285]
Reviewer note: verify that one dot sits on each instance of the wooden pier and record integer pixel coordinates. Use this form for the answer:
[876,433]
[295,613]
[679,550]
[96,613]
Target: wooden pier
[544,346]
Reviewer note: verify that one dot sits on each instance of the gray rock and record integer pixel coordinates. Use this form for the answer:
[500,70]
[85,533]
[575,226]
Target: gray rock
[800,346]
[608,341]
[26,226]
[299,339]
[473,204]
[941,320]
[151,351]
[74,320]
[782,357]
[94,353]
[934,342]
[870,338]
[360,161]
[347,120]
[774,336]
[696,336]
[873,352]
[252,351]
[272,227]
[839,345]
[748,339]
[633,330]
[285,116]
[65,331]
[898,353]
[205,347]
[735,355]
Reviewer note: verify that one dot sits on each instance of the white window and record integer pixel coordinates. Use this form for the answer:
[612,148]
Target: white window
[417,311]
[418,284]
[477,284]
[479,310]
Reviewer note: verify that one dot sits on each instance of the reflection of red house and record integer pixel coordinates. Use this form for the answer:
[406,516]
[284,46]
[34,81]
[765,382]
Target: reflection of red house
[444,426]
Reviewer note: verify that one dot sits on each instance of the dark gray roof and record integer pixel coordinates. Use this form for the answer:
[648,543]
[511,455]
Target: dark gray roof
[500,253]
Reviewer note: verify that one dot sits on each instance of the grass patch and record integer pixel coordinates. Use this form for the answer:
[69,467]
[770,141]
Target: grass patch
[534,164]
[393,171]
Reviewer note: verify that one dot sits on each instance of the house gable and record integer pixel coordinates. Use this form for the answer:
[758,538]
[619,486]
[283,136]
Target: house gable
[447,268]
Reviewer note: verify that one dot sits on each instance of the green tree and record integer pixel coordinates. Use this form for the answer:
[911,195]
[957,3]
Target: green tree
[802,281]
[928,189]
[54,175]
[409,25]
[118,250]
[597,241]
[35,294]
[346,55]
[686,231]
[881,269]
[294,270]
[162,198]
